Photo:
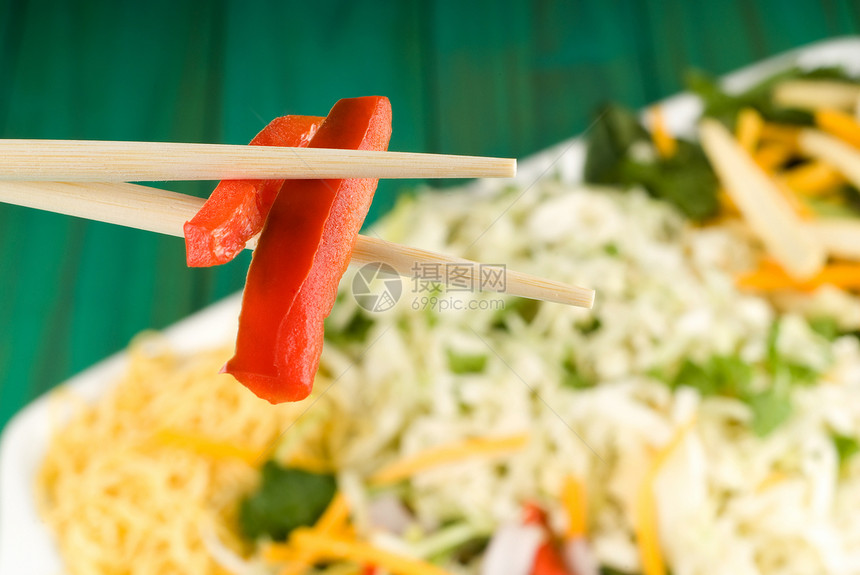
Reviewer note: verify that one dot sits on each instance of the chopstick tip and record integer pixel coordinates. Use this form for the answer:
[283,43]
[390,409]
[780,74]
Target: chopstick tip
[589,300]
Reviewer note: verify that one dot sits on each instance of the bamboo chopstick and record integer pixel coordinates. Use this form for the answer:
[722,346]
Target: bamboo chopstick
[105,161]
[165,212]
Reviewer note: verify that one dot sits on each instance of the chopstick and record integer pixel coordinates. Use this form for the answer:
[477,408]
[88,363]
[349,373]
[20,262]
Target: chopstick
[165,212]
[108,161]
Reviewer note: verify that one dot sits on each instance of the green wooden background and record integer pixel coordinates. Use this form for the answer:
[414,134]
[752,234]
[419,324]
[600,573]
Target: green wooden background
[487,77]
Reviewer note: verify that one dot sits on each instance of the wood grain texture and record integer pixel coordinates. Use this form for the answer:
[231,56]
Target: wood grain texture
[484,78]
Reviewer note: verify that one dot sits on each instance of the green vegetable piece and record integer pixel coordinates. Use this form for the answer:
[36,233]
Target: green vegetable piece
[685,180]
[461,363]
[725,375]
[725,107]
[782,368]
[353,332]
[846,447]
[604,570]
[689,184]
[770,409]
[615,130]
[286,499]
[573,377]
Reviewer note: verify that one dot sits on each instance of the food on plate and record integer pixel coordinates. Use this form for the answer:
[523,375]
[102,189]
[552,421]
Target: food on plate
[303,251]
[237,209]
[684,423]
[140,481]
[790,166]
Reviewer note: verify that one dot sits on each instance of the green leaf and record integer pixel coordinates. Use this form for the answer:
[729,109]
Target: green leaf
[686,180]
[725,375]
[725,107]
[287,498]
[604,570]
[770,409]
[783,369]
[616,129]
[353,332]
[846,447]
[573,377]
[461,363]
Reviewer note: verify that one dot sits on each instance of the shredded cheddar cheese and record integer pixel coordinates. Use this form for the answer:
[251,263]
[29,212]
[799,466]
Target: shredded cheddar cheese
[663,141]
[333,521]
[769,157]
[647,533]
[329,547]
[207,447]
[840,124]
[575,502]
[783,134]
[774,278]
[451,453]
[812,178]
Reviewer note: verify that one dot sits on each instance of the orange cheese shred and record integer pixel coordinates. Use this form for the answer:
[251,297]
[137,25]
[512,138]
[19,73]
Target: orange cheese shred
[840,124]
[665,144]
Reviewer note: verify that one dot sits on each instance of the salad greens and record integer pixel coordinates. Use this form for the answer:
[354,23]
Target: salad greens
[725,107]
[846,447]
[619,150]
[732,376]
[287,498]
[684,179]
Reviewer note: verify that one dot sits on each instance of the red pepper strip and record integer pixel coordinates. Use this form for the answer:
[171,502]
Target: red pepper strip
[237,209]
[548,561]
[534,515]
[300,257]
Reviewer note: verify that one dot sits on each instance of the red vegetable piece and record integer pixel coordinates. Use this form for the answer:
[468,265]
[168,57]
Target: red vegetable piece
[548,561]
[533,514]
[237,209]
[300,257]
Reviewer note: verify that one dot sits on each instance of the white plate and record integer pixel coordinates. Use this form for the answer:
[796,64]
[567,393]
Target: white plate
[26,546]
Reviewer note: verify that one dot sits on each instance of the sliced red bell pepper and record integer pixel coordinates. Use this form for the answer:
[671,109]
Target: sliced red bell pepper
[237,209]
[302,253]
[548,561]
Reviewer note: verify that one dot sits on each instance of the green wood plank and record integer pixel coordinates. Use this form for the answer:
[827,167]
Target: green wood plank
[507,77]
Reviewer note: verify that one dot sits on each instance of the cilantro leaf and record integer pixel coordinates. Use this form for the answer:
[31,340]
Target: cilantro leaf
[770,409]
[609,140]
[286,499]
[461,363]
[573,377]
[725,375]
[685,180]
[825,326]
[846,447]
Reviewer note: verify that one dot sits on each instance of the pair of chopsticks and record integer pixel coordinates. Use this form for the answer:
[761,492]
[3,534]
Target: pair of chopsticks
[86,179]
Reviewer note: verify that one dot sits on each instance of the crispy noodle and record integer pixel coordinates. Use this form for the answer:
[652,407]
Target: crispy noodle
[119,499]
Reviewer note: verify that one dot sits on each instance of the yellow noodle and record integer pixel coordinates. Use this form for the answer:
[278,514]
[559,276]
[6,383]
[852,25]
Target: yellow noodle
[120,501]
